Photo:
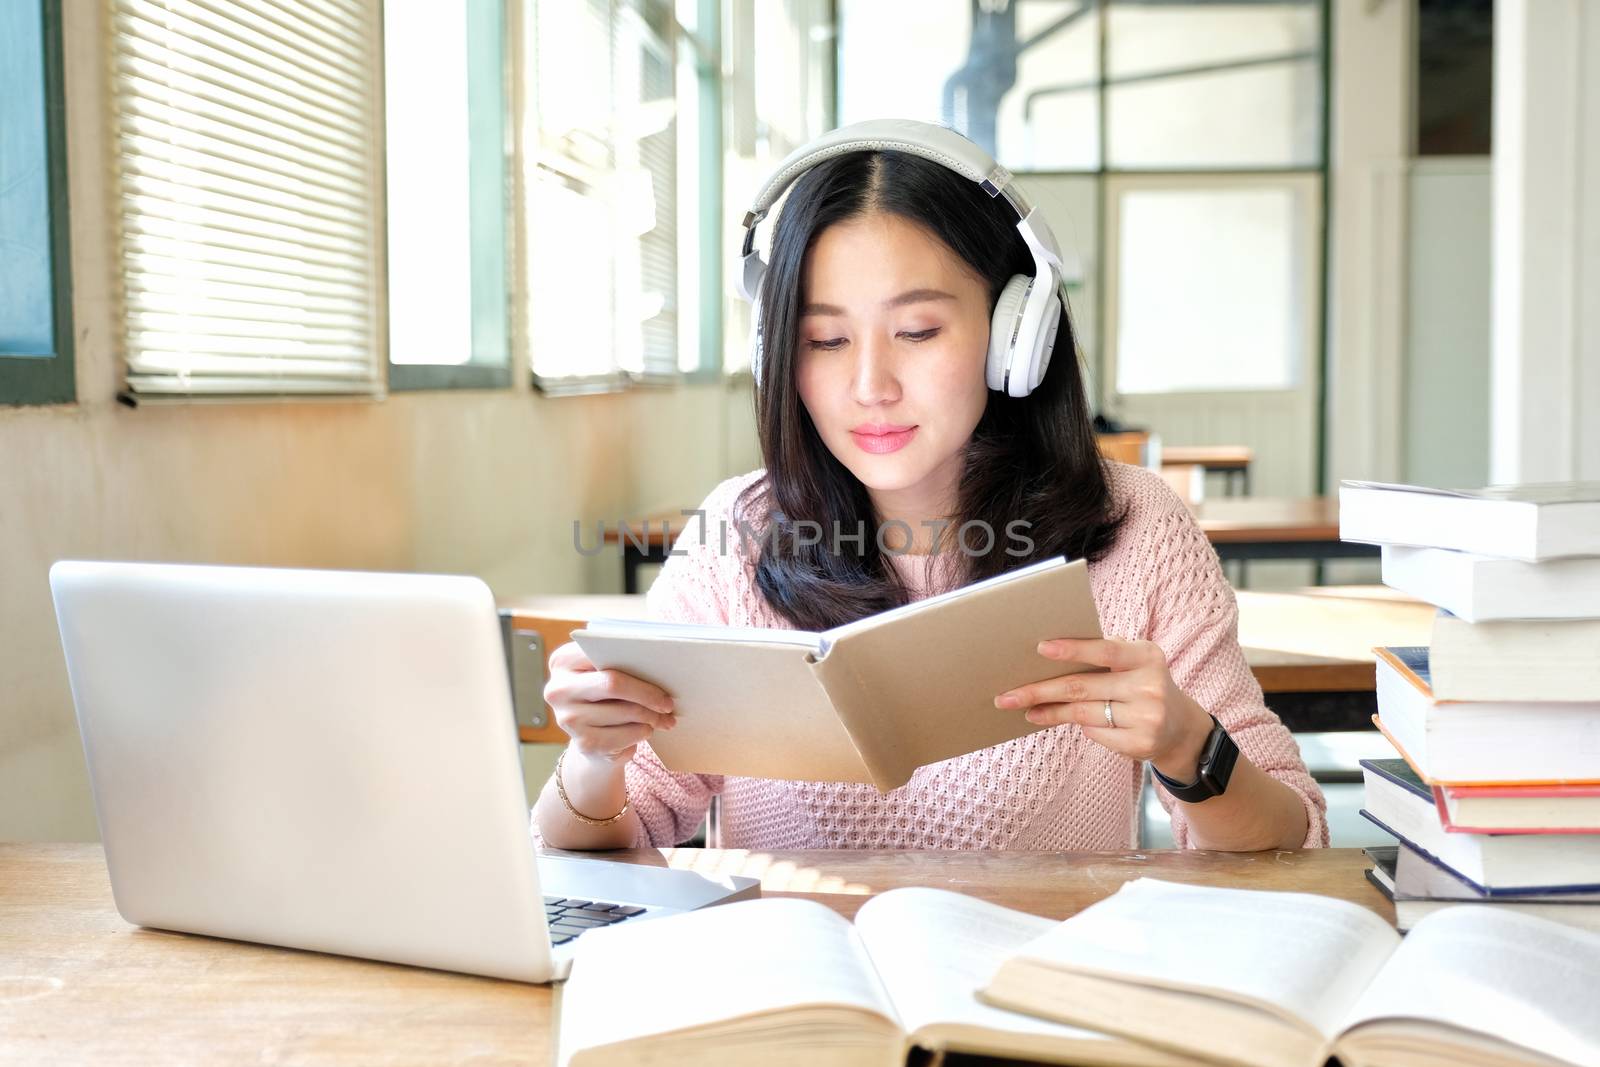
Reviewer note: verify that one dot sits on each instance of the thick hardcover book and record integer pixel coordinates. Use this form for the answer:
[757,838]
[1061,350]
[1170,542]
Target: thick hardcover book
[1519,809]
[1483,742]
[1528,660]
[1526,522]
[1481,588]
[1402,804]
[1419,886]
[1263,979]
[869,701]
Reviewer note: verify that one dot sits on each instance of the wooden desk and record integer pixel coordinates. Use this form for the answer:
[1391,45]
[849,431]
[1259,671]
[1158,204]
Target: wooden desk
[80,985]
[1276,528]
[1310,649]
[1272,528]
[1232,461]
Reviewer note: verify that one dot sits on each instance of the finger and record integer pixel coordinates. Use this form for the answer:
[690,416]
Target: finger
[1069,688]
[1079,713]
[619,685]
[1111,653]
[570,657]
[603,713]
[1091,715]
[610,740]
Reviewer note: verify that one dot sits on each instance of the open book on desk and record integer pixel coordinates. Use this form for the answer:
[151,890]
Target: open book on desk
[783,981]
[1264,979]
[869,701]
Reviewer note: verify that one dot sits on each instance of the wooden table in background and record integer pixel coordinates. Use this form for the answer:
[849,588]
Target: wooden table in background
[80,985]
[1311,649]
[1232,461]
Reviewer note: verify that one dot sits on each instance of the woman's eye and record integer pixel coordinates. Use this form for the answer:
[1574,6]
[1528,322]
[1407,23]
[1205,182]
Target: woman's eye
[919,335]
[827,345]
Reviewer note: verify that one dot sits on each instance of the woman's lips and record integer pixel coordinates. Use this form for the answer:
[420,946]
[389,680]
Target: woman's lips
[881,443]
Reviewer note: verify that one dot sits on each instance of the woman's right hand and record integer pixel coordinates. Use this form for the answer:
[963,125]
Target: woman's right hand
[606,713]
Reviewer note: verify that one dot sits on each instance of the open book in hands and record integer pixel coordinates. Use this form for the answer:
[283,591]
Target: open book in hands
[1267,979]
[869,701]
[785,981]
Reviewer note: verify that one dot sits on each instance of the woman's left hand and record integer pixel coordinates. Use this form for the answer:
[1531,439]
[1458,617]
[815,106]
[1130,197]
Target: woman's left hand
[1154,719]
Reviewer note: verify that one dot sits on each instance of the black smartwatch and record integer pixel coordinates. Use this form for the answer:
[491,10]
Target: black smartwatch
[1217,757]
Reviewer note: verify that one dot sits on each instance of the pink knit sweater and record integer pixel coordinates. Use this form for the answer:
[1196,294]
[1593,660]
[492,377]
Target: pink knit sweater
[1053,789]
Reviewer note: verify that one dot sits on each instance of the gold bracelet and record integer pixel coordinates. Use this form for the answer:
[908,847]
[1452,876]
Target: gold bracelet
[580,816]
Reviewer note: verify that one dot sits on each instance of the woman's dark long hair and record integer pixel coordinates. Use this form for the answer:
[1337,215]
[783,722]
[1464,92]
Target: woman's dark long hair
[1030,458]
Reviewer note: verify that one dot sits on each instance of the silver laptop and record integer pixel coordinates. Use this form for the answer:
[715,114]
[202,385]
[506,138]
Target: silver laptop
[327,760]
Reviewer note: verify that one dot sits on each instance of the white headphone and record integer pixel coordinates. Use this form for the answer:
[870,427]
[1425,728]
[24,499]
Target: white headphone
[1022,330]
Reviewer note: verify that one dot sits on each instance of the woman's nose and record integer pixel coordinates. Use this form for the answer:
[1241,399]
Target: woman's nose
[876,378]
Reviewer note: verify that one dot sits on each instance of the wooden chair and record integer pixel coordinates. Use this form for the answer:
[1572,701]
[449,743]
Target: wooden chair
[1139,448]
[533,628]
[1188,480]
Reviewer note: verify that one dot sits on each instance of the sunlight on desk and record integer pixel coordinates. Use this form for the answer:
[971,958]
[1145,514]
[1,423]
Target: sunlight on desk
[780,876]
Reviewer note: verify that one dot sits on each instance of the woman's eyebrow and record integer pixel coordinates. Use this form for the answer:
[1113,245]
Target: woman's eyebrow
[917,296]
[910,296]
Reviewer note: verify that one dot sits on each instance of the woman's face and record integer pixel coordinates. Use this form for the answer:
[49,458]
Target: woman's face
[894,330]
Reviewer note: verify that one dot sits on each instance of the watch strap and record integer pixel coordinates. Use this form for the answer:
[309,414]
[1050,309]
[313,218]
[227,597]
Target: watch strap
[1215,767]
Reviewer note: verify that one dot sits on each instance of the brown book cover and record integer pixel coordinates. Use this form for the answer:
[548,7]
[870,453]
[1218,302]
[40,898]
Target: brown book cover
[870,701]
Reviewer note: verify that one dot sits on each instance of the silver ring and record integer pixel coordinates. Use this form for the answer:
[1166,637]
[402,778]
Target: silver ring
[1110,719]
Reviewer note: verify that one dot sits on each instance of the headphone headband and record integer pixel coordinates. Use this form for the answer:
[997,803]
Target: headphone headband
[934,143]
[1024,320]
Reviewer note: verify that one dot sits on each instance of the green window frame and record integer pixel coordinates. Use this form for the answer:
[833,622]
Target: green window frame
[27,375]
[489,217]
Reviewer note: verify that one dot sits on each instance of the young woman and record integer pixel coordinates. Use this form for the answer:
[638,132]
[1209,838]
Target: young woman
[875,415]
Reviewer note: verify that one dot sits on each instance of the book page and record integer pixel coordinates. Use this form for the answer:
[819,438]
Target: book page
[1303,955]
[702,632]
[709,966]
[828,637]
[934,949]
[1529,981]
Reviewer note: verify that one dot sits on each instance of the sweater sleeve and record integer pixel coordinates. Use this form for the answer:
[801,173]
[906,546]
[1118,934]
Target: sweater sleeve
[692,586]
[1195,621]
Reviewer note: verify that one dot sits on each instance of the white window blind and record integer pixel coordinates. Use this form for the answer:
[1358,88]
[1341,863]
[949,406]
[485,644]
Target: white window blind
[246,167]
[598,195]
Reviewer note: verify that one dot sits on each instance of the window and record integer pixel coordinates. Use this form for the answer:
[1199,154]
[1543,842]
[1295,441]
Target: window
[245,163]
[444,98]
[598,198]
[1211,282]
[1020,79]
[1208,85]
[780,80]
[35,281]
[1220,105]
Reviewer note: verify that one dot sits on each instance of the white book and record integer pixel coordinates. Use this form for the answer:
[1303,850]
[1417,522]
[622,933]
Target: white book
[868,701]
[790,982]
[1263,979]
[1526,522]
[1545,660]
[1491,741]
[1403,805]
[1419,887]
[1481,588]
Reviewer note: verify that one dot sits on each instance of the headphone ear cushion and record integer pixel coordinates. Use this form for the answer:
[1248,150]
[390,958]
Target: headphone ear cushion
[1003,327]
[755,340]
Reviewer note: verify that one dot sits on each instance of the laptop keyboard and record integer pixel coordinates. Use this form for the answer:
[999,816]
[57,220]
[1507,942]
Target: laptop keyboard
[568,918]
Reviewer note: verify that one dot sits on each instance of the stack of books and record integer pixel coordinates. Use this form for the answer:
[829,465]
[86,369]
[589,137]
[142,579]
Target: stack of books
[1495,796]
